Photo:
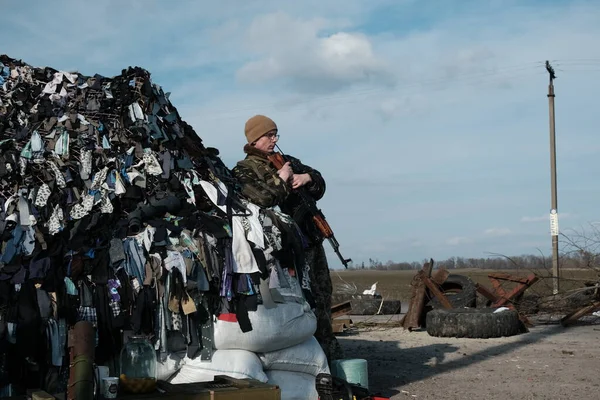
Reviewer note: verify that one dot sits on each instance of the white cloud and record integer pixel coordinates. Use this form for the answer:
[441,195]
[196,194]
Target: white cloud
[394,106]
[458,240]
[536,219]
[497,232]
[304,58]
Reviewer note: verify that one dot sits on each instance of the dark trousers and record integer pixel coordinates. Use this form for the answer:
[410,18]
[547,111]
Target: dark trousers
[322,289]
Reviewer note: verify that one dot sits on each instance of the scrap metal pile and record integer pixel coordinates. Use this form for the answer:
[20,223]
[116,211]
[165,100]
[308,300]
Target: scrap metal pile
[113,211]
[446,304]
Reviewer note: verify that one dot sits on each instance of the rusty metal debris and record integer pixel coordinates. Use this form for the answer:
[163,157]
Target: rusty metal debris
[424,280]
[500,298]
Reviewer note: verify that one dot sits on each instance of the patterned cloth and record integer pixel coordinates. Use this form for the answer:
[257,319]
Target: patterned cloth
[89,313]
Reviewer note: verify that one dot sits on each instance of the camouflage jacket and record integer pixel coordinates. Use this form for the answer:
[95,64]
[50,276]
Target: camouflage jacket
[260,183]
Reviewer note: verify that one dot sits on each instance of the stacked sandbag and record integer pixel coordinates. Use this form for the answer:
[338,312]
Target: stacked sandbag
[280,350]
[304,358]
[294,369]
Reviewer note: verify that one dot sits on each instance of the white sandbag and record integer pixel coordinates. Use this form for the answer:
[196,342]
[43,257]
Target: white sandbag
[307,357]
[276,328]
[169,367]
[238,364]
[293,291]
[294,385]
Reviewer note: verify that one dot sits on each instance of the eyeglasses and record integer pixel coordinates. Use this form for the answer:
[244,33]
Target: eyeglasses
[272,135]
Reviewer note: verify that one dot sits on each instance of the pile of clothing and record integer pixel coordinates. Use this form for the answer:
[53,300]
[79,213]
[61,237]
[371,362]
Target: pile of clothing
[113,211]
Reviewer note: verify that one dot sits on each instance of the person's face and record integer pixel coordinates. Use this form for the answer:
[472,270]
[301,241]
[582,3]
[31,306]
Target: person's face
[267,141]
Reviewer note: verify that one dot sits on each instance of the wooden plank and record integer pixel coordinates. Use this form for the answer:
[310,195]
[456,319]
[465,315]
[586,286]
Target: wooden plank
[437,292]
[508,277]
[427,268]
[415,307]
[440,276]
[571,318]
[222,388]
[339,325]
[341,309]
[412,318]
[42,395]
[485,292]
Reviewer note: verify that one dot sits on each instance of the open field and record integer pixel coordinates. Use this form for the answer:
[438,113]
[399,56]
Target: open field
[395,285]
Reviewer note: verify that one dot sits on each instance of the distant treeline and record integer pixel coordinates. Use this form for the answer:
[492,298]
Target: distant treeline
[578,260]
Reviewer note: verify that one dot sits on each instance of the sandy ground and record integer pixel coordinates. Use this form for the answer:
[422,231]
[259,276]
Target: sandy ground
[549,362]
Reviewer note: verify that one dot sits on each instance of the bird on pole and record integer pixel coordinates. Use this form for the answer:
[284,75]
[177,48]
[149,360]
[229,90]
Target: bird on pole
[550,71]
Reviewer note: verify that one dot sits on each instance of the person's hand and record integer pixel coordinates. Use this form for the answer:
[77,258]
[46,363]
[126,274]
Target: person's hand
[286,173]
[299,180]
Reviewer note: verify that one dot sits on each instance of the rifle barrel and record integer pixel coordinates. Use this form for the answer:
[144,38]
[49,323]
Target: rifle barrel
[336,249]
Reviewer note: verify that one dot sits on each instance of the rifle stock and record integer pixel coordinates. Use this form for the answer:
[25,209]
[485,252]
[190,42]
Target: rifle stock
[278,161]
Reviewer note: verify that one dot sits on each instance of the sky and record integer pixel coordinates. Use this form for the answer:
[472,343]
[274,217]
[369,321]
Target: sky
[428,119]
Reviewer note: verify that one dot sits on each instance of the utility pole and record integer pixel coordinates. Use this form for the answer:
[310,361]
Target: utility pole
[554,206]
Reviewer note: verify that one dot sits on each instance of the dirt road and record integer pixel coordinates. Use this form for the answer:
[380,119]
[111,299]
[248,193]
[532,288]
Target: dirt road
[549,362]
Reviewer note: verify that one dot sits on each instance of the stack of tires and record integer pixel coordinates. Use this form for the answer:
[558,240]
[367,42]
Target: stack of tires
[464,320]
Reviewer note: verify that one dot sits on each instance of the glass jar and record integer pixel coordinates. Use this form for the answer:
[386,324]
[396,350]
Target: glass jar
[138,366]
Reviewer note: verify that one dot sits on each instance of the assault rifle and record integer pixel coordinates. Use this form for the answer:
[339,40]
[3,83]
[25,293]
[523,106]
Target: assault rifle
[278,160]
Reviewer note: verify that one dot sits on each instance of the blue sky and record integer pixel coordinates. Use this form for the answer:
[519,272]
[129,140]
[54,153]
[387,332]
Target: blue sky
[428,119]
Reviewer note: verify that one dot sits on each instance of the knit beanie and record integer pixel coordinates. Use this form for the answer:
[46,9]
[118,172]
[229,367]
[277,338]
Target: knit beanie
[258,126]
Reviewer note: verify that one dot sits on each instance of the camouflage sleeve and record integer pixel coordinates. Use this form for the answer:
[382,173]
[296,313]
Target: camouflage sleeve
[261,186]
[317,187]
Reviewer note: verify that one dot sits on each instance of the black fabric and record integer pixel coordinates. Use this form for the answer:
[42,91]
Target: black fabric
[144,212]
[251,302]
[86,294]
[109,339]
[143,317]
[213,225]
[261,261]
[100,266]
[176,341]
[6,290]
[241,312]
[195,331]
[39,268]
[29,322]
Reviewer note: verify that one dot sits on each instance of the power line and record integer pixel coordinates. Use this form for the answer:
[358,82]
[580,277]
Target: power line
[576,60]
